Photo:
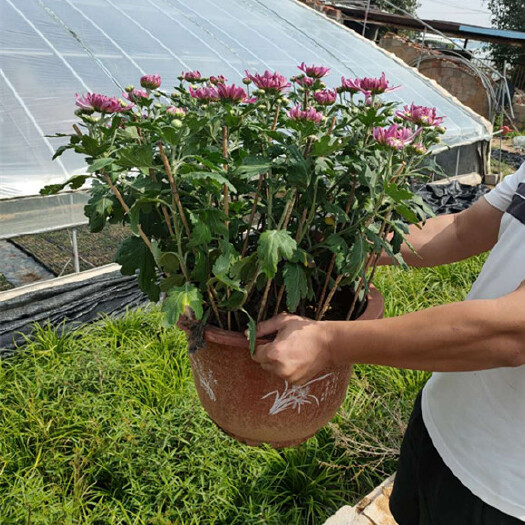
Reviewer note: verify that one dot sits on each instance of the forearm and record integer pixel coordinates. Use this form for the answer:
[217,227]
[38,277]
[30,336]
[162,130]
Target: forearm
[450,238]
[473,335]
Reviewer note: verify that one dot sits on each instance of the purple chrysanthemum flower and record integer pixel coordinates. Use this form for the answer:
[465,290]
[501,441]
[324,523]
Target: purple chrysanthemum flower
[420,115]
[101,103]
[191,76]
[310,114]
[326,97]
[314,71]
[150,81]
[233,93]
[204,93]
[394,136]
[268,81]
[136,95]
[176,112]
[219,79]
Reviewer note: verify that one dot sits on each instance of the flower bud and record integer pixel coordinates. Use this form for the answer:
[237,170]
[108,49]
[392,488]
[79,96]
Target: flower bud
[246,81]
[440,129]
[158,106]
[176,123]
[129,89]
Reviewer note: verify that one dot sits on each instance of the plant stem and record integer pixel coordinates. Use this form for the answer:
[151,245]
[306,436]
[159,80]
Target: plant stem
[214,308]
[174,190]
[349,203]
[275,118]
[226,203]
[163,208]
[252,214]
[126,209]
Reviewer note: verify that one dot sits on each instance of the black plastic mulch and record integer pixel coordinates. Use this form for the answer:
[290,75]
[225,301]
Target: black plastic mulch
[512,159]
[452,197]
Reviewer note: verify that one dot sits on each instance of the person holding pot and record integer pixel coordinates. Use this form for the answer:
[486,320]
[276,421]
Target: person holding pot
[463,455]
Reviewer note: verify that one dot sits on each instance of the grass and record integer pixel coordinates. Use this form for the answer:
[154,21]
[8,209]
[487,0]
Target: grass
[103,426]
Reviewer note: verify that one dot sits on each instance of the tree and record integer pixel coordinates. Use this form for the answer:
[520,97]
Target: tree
[507,14]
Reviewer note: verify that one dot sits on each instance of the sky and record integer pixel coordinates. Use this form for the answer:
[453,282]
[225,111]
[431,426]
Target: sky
[474,12]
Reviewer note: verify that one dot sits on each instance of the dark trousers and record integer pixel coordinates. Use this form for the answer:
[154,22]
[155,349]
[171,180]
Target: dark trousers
[427,493]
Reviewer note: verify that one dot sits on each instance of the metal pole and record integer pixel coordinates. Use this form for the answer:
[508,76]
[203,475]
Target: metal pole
[366,17]
[76,262]
[421,48]
[503,86]
[457,160]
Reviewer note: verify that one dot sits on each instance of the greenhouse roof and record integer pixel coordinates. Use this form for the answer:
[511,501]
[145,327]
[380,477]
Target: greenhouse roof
[52,49]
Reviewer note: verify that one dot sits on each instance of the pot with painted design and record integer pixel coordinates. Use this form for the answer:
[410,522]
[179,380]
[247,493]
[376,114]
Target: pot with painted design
[255,406]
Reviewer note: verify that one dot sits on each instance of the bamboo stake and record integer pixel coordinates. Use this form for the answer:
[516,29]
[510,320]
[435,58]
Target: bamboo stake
[174,190]
[125,207]
[163,208]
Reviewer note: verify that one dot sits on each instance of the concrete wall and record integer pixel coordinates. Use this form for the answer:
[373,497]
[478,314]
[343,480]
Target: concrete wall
[456,78]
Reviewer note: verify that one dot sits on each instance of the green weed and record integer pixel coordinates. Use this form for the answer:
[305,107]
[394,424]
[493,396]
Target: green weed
[102,425]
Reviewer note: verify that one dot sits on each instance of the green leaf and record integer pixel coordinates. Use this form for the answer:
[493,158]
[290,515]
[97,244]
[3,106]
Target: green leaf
[235,301]
[356,257]
[407,213]
[327,145]
[98,209]
[179,298]
[252,331]
[170,135]
[169,282]
[227,257]
[398,194]
[211,175]
[216,220]
[100,164]
[296,285]
[61,150]
[274,245]
[201,235]
[134,255]
[74,183]
[135,157]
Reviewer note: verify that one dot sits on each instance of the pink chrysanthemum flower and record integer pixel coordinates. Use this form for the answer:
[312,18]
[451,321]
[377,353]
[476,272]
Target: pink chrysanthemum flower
[268,81]
[220,79]
[375,86]
[150,81]
[326,97]
[233,93]
[394,136]
[305,82]
[419,148]
[176,112]
[350,86]
[204,93]
[310,114]
[136,95]
[314,71]
[102,103]
[420,115]
[191,76]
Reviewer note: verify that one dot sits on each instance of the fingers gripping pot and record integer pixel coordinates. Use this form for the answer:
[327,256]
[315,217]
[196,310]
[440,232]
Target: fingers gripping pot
[255,406]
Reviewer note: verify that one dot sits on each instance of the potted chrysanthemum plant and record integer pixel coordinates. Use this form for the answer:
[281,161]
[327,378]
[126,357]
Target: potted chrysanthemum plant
[247,200]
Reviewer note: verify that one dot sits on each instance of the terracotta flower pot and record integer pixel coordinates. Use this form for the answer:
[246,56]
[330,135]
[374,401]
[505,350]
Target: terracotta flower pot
[254,406]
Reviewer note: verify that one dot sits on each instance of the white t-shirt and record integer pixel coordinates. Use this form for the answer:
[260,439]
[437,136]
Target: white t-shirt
[477,419]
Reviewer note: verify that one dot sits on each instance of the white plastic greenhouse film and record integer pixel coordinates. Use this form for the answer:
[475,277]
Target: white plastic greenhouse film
[52,49]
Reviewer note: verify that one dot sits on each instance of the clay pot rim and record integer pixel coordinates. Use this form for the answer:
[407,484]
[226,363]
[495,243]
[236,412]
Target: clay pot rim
[375,308]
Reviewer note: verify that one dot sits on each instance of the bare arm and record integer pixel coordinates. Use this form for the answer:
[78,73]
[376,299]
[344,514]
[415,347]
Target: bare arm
[450,238]
[472,335]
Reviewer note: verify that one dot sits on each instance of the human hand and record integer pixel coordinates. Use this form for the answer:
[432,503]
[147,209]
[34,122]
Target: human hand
[299,351]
